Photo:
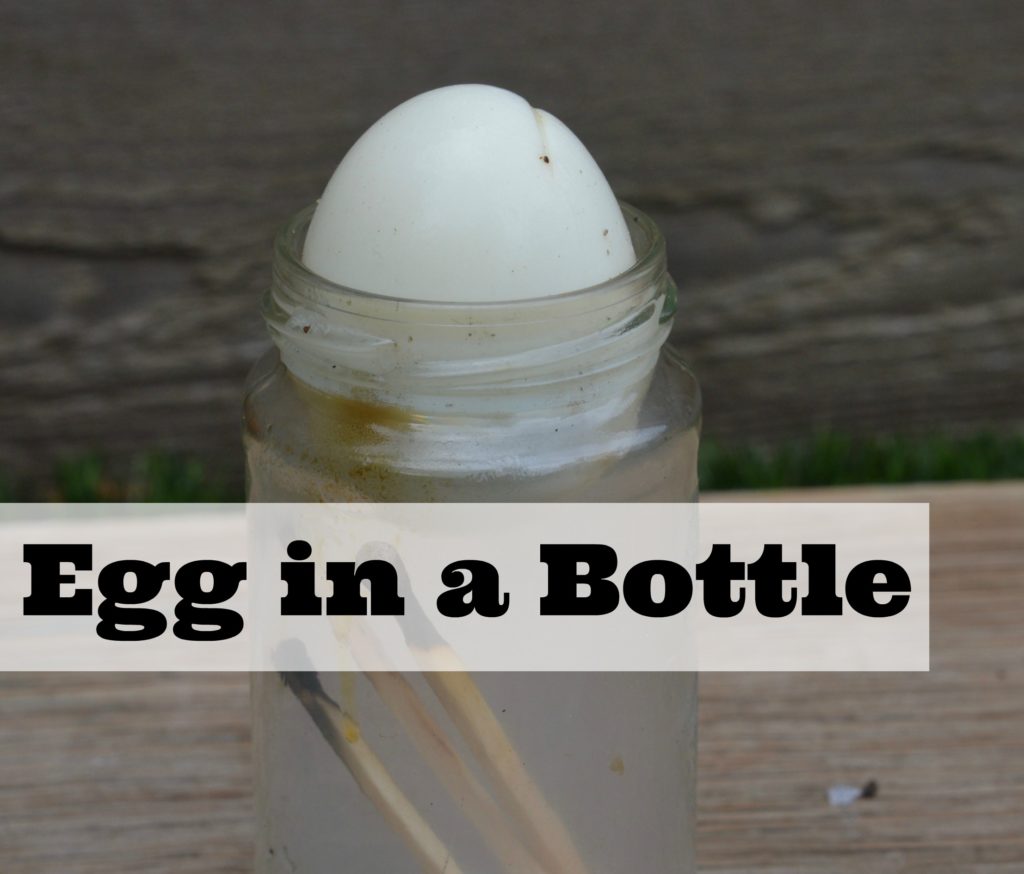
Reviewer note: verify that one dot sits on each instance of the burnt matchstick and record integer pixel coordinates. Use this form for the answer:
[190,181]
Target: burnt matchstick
[343,736]
[545,832]
[546,835]
[451,771]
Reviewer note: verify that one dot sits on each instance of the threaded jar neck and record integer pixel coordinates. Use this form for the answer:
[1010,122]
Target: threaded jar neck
[457,374]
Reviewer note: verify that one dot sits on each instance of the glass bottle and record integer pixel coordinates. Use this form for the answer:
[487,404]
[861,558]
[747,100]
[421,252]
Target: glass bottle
[571,398]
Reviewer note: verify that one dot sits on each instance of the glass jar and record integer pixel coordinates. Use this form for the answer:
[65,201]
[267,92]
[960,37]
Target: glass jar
[570,398]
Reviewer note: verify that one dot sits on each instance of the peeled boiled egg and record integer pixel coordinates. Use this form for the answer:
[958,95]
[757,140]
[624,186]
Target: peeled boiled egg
[468,194]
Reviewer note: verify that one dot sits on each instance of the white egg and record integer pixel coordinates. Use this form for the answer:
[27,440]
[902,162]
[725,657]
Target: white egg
[468,194]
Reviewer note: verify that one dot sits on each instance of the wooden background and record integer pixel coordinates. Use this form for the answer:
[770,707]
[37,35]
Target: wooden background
[840,184]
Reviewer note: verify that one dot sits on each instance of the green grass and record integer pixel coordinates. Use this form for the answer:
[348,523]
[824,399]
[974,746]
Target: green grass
[824,460]
[834,460]
[155,477]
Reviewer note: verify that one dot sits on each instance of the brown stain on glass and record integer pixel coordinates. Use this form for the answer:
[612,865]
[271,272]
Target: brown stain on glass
[355,421]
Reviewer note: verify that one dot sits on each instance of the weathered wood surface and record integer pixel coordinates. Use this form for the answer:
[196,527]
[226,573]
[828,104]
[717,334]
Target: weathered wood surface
[841,183]
[102,773]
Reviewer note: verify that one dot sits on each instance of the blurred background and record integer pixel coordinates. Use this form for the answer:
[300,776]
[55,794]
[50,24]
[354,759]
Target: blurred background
[840,184]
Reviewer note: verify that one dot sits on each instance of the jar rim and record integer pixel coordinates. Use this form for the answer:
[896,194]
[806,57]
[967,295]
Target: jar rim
[647,240]
[411,351]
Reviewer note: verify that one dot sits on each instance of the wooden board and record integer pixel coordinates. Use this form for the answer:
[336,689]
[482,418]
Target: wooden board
[841,185]
[110,773]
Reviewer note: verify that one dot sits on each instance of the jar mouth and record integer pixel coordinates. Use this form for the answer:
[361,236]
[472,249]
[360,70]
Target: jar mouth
[647,271]
[515,385]
[586,352]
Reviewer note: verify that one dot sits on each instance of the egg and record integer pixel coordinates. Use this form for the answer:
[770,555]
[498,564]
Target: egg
[467,194]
